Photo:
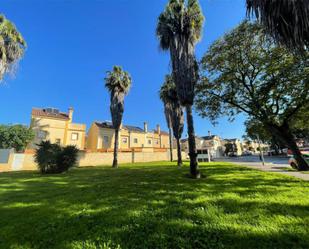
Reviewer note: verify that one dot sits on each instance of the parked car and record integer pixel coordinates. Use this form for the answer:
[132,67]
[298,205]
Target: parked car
[293,162]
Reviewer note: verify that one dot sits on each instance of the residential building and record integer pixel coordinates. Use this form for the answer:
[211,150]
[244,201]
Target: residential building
[253,146]
[101,135]
[205,144]
[57,127]
[237,144]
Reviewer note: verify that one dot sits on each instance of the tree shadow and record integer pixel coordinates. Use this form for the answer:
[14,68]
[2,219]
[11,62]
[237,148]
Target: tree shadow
[154,207]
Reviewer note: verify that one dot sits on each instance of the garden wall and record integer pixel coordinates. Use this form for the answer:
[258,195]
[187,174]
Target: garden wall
[93,158]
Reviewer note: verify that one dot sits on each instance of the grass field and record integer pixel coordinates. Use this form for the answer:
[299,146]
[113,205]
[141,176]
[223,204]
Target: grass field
[154,206]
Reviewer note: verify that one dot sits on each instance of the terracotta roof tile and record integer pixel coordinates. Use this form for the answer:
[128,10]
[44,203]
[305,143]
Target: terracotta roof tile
[44,113]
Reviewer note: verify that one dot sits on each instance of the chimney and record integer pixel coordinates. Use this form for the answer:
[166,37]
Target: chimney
[145,127]
[158,129]
[71,110]
[209,133]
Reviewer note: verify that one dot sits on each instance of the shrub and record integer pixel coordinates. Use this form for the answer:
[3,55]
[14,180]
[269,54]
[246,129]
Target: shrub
[67,158]
[52,158]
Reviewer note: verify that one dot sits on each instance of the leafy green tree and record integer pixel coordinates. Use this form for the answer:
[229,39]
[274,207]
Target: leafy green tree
[256,130]
[299,128]
[245,71]
[12,46]
[168,95]
[15,136]
[286,20]
[179,29]
[118,83]
[230,148]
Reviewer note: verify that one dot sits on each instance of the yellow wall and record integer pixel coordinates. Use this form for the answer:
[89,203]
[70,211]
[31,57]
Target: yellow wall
[98,158]
[57,129]
[92,138]
[133,139]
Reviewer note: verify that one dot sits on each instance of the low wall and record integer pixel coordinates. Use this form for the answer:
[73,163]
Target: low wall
[99,158]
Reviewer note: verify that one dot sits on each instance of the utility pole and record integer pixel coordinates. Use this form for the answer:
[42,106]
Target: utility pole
[261,153]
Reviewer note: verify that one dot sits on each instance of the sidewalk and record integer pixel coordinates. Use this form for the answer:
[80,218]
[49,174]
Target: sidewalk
[270,167]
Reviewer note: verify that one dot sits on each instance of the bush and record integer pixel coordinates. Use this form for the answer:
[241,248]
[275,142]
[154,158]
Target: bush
[53,159]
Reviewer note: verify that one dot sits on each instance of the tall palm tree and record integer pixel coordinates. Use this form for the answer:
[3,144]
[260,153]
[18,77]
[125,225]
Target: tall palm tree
[179,29]
[167,112]
[118,83]
[12,46]
[286,20]
[168,95]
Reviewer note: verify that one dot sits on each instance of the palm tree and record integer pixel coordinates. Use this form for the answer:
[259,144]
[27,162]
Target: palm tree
[167,112]
[179,29]
[12,46]
[118,83]
[168,95]
[286,20]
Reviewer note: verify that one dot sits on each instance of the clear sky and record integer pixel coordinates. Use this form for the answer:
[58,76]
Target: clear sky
[72,43]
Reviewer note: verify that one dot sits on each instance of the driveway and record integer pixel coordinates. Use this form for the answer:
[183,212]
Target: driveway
[272,164]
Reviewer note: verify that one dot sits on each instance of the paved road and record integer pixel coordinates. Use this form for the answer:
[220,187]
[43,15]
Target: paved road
[272,164]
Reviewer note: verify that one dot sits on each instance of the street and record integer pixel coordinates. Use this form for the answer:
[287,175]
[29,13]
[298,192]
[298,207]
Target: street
[275,161]
[272,164]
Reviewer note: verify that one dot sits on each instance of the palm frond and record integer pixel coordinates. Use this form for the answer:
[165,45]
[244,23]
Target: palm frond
[286,20]
[180,18]
[12,46]
[118,80]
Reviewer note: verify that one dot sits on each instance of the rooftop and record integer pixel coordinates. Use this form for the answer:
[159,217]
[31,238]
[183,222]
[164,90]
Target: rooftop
[50,113]
[109,125]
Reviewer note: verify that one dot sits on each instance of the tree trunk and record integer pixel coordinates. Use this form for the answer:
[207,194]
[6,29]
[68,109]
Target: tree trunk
[284,134]
[192,146]
[179,153]
[115,162]
[171,143]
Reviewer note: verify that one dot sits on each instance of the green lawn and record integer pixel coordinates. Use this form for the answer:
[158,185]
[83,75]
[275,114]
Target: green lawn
[154,206]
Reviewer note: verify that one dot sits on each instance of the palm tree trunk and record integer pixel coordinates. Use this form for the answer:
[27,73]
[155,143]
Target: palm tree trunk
[171,144]
[115,162]
[179,153]
[192,146]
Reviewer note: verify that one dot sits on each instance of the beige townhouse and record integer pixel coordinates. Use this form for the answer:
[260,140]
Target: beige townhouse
[57,127]
[101,136]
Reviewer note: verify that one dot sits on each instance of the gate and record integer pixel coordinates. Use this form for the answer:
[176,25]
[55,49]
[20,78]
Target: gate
[18,160]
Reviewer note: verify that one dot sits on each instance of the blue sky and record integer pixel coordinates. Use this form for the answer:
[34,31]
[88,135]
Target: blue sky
[72,43]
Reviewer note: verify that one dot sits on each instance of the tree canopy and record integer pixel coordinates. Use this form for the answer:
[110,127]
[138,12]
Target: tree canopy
[15,136]
[118,82]
[12,46]
[245,71]
[179,29]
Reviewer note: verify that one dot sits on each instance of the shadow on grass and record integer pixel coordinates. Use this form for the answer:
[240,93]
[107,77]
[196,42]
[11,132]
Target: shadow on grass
[154,206]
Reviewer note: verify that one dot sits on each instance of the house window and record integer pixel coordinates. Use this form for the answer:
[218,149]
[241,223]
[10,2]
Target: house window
[157,141]
[105,140]
[58,141]
[41,134]
[124,140]
[74,136]
[149,141]
[135,140]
